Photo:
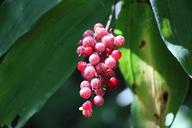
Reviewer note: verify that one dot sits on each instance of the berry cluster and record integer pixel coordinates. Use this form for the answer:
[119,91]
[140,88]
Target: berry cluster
[99,47]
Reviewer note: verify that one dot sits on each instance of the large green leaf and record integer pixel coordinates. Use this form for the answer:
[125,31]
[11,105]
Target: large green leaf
[174,19]
[18,16]
[157,80]
[42,59]
[1,1]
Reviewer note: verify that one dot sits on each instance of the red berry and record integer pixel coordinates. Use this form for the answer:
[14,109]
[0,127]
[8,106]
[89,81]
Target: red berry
[100,33]
[119,41]
[116,54]
[80,50]
[108,51]
[88,51]
[101,67]
[88,41]
[100,47]
[87,105]
[98,100]
[89,72]
[98,25]
[95,83]
[99,92]
[110,62]
[109,73]
[85,83]
[87,113]
[81,66]
[103,58]
[85,92]
[88,33]
[94,59]
[108,41]
[113,83]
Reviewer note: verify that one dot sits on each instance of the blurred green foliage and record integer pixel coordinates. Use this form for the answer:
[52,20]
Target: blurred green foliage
[61,110]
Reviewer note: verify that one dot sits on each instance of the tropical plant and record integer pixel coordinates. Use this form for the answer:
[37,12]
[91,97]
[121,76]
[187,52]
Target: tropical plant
[38,41]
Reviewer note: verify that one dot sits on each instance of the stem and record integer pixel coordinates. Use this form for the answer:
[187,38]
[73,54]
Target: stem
[110,17]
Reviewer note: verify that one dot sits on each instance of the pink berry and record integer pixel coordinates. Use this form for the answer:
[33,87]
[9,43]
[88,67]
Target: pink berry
[113,83]
[88,33]
[98,25]
[100,47]
[101,67]
[95,83]
[108,51]
[94,59]
[80,50]
[116,54]
[85,83]
[108,41]
[119,41]
[103,58]
[98,100]
[110,62]
[87,113]
[89,72]
[88,51]
[87,105]
[81,66]
[109,73]
[88,41]
[99,92]
[100,33]
[85,92]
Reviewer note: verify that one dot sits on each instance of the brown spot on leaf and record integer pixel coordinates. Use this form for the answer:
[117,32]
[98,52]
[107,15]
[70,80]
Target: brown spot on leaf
[163,101]
[165,96]
[133,88]
[156,116]
[142,44]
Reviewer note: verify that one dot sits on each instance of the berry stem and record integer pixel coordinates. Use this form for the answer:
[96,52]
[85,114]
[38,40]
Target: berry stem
[110,17]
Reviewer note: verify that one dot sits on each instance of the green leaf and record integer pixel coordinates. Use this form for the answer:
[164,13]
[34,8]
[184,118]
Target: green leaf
[39,62]
[157,80]
[18,16]
[1,1]
[174,19]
